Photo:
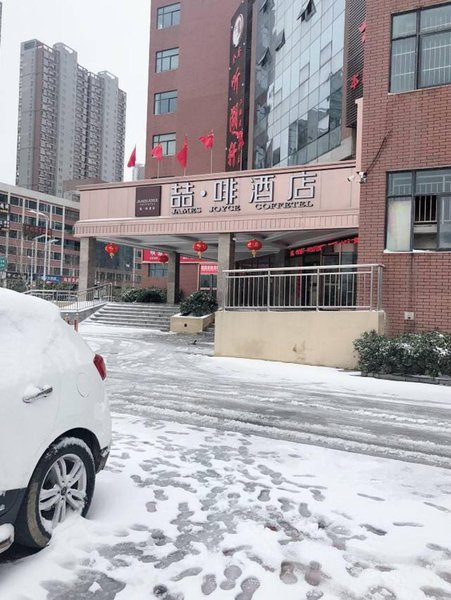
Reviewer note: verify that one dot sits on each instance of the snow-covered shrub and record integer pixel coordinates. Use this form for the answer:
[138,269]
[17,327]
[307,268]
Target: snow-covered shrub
[426,353]
[152,294]
[129,295]
[199,304]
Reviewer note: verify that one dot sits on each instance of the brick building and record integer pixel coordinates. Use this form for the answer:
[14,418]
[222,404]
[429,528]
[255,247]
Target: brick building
[405,205]
[188,79]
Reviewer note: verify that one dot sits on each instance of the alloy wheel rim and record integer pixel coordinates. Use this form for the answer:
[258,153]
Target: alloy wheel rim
[63,490]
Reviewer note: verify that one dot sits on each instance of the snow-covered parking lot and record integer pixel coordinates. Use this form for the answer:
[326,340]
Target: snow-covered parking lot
[185,512]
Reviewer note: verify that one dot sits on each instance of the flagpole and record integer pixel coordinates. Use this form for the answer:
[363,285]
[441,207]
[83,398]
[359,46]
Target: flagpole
[158,169]
[211,159]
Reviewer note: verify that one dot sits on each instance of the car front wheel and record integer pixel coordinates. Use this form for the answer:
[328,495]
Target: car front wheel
[62,483]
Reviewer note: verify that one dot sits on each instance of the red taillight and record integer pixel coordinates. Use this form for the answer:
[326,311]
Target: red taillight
[100,365]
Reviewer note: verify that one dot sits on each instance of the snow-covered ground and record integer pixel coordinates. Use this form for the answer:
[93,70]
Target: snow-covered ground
[164,375]
[186,511]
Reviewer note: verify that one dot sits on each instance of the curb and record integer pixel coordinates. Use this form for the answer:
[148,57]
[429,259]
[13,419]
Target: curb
[411,378]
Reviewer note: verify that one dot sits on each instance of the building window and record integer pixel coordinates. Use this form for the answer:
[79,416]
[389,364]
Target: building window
[158,270]
[165,102]
[307,11]
[167,141]
[168,16]
[419,211]
[167,60]
[421,49]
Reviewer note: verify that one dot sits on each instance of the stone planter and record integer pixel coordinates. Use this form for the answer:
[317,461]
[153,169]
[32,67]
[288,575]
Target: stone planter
[181,324]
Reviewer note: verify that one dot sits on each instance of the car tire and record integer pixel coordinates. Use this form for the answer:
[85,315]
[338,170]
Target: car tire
[62,482]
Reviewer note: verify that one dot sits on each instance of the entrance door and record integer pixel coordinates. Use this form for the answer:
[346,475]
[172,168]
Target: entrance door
[309,284]
[208,283]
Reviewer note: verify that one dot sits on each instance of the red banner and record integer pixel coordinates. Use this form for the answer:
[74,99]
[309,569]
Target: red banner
[152,256]
[319,247]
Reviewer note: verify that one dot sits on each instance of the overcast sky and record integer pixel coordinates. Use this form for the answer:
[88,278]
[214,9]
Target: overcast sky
[109,35]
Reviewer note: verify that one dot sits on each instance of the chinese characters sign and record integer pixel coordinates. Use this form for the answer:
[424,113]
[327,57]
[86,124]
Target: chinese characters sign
[357,36]
[4,215]
[235,195]
[239,75]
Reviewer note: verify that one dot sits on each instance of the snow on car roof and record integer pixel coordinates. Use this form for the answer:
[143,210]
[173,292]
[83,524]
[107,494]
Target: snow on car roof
[27,328]
[12,303]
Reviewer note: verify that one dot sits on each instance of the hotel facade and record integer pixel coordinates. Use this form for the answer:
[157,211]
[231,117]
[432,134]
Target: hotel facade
[347,188]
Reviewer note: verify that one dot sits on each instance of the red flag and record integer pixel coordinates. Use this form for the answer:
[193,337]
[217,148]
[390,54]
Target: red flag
[239,137]
[157,152]
[208,140]
[132,159]
[182,156]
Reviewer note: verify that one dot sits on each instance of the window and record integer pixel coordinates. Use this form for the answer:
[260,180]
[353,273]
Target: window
[165,102]
[168,16]
[158,270]
[419,211]
[421,49]
[167,141]
[167,60]
[280,40]
[307,11]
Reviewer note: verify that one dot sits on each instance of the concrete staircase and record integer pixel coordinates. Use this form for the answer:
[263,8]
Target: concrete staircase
[145,316]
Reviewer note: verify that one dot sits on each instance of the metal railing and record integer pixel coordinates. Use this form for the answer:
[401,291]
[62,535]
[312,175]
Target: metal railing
[76,301]
[341,287]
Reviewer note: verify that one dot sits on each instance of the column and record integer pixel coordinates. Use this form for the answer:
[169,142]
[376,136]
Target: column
[173,277]
[87,263]
[226,260]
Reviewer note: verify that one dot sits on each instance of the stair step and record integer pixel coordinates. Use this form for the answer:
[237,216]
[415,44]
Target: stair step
[143,316]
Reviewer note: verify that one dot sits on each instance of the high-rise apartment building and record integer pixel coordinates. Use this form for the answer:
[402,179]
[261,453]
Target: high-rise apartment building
[71,121]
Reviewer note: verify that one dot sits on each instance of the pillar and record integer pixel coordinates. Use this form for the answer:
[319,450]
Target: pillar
[226,260]
[173,277]
[87,263]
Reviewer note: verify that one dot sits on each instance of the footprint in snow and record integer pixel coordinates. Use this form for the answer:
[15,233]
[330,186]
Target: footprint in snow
[374,530]
[376,498]
[208,585]
[249,587]
[287,574]
[435,593]
[264,496]
[231,573]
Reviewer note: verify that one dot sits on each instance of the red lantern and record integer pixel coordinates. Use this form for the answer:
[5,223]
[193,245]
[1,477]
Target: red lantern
[200,248]
[112,249]
[254,246]
[163,258]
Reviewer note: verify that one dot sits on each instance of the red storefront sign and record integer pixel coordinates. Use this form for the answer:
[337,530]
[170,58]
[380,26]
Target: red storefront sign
[209,269]
[319,247]
[152,257]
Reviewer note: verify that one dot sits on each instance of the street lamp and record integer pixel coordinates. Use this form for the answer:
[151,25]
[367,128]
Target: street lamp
[49,253]
[38,212]
[34,254]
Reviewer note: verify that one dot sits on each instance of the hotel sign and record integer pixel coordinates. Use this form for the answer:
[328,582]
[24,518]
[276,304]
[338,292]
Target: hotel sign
[148,201]
[305,191]
[263,193]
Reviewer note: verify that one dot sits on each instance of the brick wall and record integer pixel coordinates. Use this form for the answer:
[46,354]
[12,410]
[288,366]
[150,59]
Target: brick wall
[417,132]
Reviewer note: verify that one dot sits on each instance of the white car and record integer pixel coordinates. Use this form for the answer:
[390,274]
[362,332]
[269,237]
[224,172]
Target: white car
[55,424]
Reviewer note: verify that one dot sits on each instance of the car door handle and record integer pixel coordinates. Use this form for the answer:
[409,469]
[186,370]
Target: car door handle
[42,392]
